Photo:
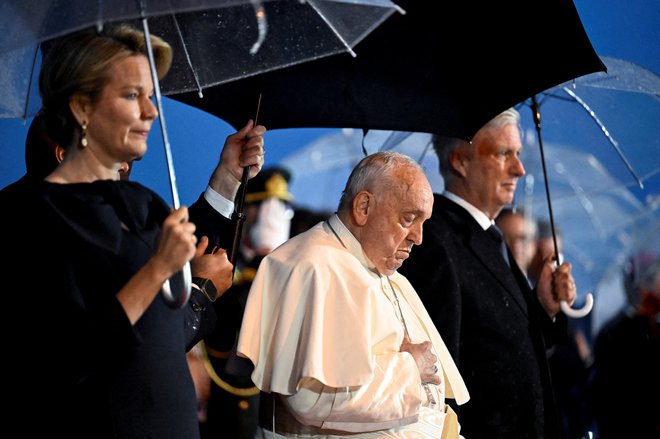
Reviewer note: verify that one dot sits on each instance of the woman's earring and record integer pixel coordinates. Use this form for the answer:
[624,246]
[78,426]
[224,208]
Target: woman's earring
[83,139]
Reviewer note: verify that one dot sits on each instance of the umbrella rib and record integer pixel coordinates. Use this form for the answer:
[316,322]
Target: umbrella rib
[332,28]
[29,90]
[606,132]
[185,50]
[426,150]
[586,204]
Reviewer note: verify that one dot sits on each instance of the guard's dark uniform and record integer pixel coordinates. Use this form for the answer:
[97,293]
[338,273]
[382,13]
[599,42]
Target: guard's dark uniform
[232,409]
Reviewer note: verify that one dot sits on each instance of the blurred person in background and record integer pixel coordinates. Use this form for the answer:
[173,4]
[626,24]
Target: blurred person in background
[520,234]
[304,219]
[543,248]
[570,358]
[625,387]
[233,401]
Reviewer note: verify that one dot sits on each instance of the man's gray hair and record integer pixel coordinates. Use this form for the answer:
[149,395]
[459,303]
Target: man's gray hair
[371,173]
[444,145]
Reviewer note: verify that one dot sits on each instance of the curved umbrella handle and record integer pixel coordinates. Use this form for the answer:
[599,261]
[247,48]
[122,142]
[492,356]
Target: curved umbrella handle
[176,290]
[577,313]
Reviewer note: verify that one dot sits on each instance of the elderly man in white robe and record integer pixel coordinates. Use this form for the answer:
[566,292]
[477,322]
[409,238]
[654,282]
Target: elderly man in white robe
[342,345]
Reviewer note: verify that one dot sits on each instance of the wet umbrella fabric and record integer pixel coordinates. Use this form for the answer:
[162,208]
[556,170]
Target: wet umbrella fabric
[597,203]
[590,111]
[237,39]
[597,213]
[611,115]
[213,41]
[444,67]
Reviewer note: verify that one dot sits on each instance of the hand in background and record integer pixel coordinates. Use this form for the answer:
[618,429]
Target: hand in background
[241,149]
[213,266]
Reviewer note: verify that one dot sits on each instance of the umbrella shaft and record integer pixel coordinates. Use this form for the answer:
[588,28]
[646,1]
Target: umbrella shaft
[159,104]
[240,216]
[536,112]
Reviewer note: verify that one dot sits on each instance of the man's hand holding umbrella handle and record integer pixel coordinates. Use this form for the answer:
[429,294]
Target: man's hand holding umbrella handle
[557,291]
[556,285]
[245,148]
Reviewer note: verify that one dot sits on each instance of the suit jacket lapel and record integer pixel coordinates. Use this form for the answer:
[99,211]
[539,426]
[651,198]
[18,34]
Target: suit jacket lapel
[485,250]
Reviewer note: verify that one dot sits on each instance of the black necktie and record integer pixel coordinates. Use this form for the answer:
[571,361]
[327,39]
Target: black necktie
[497,235]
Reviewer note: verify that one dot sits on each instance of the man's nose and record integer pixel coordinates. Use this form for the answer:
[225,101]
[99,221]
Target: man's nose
[415,235]
[517,167]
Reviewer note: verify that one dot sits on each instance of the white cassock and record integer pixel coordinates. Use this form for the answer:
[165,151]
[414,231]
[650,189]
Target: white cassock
[323,329]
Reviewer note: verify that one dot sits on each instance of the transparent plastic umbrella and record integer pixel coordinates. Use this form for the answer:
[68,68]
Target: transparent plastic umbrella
[323,166]
[611,117]
[213,42]
[611,114]
[419,71]
[598,213]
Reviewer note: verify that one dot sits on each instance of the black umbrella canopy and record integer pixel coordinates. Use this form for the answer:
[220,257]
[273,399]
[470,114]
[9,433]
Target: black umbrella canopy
[443,67]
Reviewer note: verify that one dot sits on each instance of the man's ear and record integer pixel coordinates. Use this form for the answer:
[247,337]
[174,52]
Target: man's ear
[458,161]
[362,205]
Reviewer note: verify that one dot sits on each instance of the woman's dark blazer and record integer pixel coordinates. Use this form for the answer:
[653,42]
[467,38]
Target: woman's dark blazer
[77,365]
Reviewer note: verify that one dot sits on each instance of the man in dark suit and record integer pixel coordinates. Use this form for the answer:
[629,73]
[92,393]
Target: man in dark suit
[495,326]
